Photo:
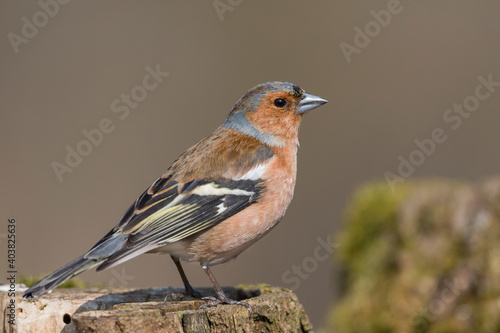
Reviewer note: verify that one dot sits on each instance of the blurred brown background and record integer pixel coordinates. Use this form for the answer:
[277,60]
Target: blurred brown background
[66,74]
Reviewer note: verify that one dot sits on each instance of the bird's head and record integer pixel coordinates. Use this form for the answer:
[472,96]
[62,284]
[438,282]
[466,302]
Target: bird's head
[272,111]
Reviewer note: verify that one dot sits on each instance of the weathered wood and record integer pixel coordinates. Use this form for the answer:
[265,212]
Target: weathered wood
[125,310]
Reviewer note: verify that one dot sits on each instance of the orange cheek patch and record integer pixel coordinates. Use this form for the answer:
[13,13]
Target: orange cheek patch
[276,122]
[270,119]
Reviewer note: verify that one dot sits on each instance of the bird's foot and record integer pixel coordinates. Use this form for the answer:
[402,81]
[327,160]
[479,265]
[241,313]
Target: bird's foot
[212,301]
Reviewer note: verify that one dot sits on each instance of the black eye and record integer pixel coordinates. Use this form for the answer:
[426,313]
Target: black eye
[280,102]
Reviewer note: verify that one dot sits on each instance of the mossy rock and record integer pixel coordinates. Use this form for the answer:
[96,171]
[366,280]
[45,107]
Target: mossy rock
[421,257]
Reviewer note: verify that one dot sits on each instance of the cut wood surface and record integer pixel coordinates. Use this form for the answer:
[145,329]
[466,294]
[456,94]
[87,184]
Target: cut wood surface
[144,310]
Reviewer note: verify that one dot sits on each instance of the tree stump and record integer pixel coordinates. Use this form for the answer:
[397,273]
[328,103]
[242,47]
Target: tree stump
[422,256]
[144,310]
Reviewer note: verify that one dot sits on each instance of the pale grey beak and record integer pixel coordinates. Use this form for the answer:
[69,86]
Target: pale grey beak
[310,102]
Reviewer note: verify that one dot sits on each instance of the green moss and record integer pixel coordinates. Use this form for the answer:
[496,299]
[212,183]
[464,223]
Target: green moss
[29,280]
[264,288]
[369,232]
[405,252]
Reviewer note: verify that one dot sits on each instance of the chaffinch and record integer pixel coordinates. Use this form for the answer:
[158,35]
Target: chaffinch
[218,198]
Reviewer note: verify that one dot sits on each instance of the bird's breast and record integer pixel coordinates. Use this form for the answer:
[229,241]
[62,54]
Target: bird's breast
[235,234]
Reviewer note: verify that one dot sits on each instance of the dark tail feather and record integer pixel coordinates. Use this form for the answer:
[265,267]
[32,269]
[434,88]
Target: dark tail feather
[62,275]
[99,253]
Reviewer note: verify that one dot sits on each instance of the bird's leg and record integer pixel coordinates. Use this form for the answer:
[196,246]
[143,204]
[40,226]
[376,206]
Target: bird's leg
[187,286]
[221,297]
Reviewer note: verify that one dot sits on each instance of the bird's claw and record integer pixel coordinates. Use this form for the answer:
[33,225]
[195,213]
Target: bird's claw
[212,301]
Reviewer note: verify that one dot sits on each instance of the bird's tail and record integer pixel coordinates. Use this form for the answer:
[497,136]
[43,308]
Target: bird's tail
[60,276]
[99,253]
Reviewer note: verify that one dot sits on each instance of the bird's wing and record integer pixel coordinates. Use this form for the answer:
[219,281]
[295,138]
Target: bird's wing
[172,209]
[197,206]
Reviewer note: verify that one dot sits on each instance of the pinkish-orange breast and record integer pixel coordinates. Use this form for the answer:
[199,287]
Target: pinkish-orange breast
[235,234]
